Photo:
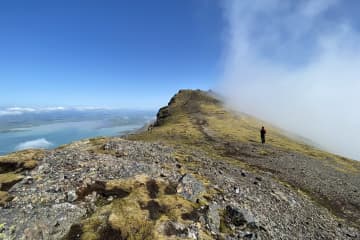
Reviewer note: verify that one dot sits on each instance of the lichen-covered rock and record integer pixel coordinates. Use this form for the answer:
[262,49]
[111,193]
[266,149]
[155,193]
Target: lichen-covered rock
[190,188]
[50,222]
[211,217]
[72,196]
[238,217]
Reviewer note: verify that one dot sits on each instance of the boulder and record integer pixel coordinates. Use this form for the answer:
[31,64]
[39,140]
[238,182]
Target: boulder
[190,188]
[238,217]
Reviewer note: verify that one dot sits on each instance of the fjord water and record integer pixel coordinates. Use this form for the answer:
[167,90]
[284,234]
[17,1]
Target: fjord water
[52,129]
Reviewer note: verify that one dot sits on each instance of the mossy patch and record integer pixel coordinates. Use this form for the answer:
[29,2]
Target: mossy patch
[139,215]
[4,198]
[263,152]
[7,180]
[104,189]
[20,161]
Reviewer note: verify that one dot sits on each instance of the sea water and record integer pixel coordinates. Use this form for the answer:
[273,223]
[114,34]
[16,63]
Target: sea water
[51,134]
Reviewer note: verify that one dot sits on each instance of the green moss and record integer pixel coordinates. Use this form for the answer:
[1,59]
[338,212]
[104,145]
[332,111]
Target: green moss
[139,215]
[19,161]
[7,180]
[10,177]
[263,152]
[224,228]
[4,198]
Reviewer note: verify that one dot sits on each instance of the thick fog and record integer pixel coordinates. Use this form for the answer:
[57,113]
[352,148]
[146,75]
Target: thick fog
[296,64]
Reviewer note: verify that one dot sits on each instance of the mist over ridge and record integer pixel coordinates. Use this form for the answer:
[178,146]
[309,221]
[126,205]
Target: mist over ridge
[296,65]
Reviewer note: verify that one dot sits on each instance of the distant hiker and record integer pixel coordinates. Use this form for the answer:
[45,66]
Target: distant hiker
[262,134]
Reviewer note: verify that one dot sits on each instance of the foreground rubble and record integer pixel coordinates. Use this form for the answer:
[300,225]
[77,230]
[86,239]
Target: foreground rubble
[118,189]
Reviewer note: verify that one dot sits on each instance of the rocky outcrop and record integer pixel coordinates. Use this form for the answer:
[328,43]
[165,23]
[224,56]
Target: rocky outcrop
[185,101]
[162,114]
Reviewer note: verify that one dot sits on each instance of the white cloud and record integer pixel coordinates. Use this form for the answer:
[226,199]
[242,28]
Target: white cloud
[5,113]
[91,108]
[22,110]
[33,144]
[53,109]
[287,63]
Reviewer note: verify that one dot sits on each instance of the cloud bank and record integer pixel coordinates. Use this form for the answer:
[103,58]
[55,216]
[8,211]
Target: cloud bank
[22,110]
[37,143]
[297,65]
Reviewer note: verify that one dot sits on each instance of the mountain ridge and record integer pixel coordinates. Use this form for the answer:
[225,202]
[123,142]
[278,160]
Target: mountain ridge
[199,172]
[277,138]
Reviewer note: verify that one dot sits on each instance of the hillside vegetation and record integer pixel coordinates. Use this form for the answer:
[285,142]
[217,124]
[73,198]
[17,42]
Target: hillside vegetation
[194,117]
[199,172]
[199,121]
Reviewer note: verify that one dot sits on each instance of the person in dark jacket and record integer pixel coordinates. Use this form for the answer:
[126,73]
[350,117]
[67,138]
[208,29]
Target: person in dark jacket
[262,134]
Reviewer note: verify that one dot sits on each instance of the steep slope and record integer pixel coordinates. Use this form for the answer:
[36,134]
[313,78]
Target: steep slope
[197,173]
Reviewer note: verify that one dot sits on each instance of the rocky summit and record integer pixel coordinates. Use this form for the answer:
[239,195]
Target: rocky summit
[198,172]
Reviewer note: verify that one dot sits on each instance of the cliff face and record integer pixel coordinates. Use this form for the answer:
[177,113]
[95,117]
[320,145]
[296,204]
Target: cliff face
[198,173]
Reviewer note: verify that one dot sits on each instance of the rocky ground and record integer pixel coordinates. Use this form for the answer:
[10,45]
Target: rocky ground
[334,185]
[212,199]
[184,185]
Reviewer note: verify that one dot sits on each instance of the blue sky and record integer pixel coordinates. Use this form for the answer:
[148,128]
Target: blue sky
[128,54]
[293,63]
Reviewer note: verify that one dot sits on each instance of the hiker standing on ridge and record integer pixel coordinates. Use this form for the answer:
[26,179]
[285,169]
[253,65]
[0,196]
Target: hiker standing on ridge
[262,134]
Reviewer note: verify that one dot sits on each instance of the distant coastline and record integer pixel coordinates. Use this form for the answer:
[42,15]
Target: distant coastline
[52,129]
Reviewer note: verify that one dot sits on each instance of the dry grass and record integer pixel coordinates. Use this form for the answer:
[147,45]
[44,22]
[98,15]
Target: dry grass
[183,131]
[243,128]
[140,215]
[4,197]
[22,160]
[7,180]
